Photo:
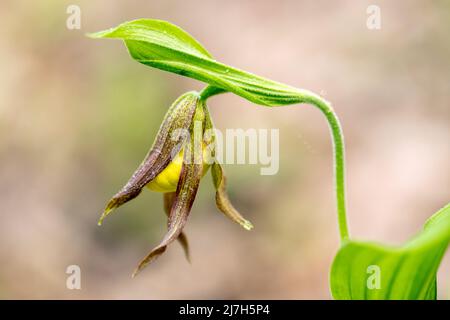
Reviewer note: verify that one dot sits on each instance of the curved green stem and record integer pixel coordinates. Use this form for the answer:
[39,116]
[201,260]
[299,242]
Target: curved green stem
[210,91]
[337,136]
[339,160]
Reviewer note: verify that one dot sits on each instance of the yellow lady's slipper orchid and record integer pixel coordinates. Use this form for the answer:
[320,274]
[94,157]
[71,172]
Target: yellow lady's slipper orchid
[178,178]
[167,180]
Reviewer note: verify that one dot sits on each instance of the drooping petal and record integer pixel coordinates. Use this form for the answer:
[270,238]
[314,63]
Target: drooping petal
[191,173]
[222,201]
[179,116]
[169,198]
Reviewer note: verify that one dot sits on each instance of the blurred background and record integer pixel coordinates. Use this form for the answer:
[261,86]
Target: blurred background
[77,116]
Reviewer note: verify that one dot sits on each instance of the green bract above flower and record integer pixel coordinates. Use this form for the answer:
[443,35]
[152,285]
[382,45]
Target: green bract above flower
[181,154]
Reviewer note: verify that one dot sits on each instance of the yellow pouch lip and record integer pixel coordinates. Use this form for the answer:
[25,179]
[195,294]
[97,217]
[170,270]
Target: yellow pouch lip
[167,180]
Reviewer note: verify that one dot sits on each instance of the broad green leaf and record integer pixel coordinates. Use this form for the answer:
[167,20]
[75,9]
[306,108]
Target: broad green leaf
[363,270]
[157,32]
[164,46]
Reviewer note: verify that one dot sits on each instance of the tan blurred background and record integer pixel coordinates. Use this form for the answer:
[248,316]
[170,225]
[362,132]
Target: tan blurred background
[78,115]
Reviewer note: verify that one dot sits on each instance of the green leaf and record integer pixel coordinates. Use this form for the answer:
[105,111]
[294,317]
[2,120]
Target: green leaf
[157,32]
[164,46]
[406,272]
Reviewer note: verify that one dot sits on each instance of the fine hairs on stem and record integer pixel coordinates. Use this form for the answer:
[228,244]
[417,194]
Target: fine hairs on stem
[337,138]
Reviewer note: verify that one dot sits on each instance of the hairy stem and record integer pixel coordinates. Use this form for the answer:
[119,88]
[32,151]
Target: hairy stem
[337,136]
[210,91]
[339,159]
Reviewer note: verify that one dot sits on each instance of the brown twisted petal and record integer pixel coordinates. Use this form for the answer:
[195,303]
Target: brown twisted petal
[179,116]
[191,173]
[222,201]
[169,198]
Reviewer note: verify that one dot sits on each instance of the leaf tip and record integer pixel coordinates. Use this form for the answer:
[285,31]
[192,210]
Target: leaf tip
[99,34]
[94,35]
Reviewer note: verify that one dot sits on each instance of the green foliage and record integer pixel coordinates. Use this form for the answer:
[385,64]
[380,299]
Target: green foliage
[363,270]
[408,272]
[164,46]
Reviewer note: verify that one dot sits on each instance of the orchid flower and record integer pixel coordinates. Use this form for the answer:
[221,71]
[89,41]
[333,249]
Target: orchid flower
[181,155]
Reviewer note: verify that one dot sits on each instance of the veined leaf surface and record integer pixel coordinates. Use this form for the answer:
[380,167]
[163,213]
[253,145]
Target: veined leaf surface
[164,46]
[406,272]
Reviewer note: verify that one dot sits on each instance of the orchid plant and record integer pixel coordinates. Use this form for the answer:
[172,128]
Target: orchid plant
[175,167]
